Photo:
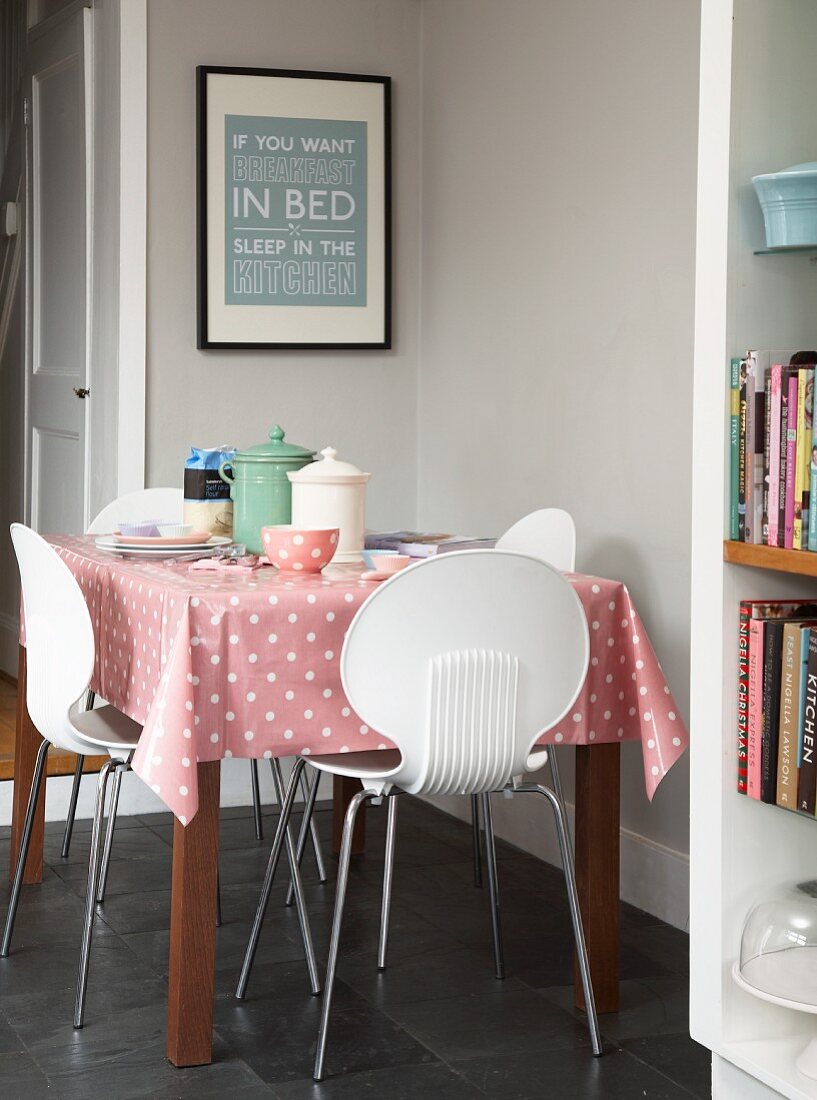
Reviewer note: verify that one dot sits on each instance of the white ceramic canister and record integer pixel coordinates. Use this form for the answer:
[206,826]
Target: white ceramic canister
[329,493]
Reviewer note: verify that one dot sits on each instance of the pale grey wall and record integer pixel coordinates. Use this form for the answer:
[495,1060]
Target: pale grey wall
[363,403]
[11,361]
[559,154]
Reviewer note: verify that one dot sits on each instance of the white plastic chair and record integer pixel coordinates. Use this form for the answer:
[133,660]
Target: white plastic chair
[462,661]
[161,504]
[60,661]
[164,503]
[549,534]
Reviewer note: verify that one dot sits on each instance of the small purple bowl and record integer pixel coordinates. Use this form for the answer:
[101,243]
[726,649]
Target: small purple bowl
[143,530]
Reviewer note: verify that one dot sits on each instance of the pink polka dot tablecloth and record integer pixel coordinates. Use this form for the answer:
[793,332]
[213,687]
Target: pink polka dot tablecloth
[246,664]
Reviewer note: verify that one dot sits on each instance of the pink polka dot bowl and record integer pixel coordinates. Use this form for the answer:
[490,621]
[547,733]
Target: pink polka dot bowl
[299,549]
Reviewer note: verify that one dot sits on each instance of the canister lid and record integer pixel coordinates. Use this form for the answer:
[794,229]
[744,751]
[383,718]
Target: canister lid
[329,469]
[276,450]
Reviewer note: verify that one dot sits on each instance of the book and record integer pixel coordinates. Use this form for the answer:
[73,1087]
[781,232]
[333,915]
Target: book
[808,430]
[773,614]
[734,417]
[787,737]
[807,783]
[743,696]
[742,452]
[772,646]
[791,459]
[755,404]
[754,733]
[423,549]
[797,528]
[781,470]
[767,405]
[417,544]
[812,515]
[776,390]
[749,370]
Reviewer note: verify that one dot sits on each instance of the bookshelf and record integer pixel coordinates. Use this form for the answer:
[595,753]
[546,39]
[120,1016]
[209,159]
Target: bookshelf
[756,116]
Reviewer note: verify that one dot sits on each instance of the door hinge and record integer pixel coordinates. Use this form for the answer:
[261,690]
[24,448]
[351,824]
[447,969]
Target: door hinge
[26,111]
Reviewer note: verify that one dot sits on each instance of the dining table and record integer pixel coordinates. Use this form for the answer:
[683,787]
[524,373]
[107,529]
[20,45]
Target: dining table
[234,662]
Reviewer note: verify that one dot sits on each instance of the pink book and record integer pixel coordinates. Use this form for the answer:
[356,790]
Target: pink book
[791,462]
[774,456]
[754,750]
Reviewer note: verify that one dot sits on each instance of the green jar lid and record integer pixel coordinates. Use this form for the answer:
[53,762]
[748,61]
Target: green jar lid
[276,450]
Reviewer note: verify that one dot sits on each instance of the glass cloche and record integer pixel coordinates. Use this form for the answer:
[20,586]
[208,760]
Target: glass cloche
[778,956]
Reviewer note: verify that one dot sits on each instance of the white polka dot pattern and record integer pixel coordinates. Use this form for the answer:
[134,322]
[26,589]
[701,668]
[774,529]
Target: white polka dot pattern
[217,665]
[625,695]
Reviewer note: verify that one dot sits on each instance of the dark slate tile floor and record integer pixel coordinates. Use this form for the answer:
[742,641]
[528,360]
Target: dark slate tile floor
[436,1025]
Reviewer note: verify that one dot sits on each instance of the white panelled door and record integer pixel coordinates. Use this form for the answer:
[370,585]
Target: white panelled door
[58,297]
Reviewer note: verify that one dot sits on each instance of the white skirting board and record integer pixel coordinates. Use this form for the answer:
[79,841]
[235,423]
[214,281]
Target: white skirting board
[653,878]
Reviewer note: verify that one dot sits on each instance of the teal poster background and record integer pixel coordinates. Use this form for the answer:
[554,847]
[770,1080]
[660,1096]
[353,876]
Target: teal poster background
[295,211]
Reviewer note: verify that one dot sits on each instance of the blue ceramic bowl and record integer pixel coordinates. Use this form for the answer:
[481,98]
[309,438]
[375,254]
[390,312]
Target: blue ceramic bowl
[370,555]
[788,200]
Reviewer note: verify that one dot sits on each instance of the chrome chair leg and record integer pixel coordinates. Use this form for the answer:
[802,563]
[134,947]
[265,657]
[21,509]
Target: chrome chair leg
[306,823]
[557,781]
[256,800]
[493,886]
[388,876]
[269,875]
[313,828]
[337,920]
[25,840]
[295,876]
[575,912]
[90,893]
[106,853]
[90,697]
[72,807]
[477,844]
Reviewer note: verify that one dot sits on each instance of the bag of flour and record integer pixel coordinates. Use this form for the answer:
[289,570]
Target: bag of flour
[207,503]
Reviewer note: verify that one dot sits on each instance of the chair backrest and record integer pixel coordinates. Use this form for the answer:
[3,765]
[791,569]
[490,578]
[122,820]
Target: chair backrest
[162,504]
[59,637]
[463,661]
[549,534]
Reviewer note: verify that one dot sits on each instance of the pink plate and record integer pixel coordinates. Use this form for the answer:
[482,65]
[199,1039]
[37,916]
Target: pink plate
[373,575]
[195,538]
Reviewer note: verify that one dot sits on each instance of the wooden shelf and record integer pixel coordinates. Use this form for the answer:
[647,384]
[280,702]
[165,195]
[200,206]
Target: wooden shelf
[802,562]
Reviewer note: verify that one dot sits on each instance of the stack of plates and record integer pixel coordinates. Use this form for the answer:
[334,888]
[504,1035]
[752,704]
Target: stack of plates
[199,543]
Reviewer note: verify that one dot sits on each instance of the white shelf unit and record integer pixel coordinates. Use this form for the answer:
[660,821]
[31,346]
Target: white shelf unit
[757,114]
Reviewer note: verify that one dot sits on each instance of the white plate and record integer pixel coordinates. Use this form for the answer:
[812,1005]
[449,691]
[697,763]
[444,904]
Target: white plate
[107,543]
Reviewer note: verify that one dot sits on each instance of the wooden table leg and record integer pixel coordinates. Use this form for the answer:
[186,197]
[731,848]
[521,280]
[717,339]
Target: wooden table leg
[343,791]
[597,868]
[191,977]
[26,745]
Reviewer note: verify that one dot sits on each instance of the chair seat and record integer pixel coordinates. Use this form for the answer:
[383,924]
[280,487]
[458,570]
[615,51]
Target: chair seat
[537,759]
[372,764]
[108,728]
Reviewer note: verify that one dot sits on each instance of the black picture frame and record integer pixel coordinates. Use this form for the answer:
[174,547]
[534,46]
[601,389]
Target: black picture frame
[207,339]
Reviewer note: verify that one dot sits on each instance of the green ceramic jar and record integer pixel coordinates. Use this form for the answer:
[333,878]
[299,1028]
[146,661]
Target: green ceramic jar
[259,487]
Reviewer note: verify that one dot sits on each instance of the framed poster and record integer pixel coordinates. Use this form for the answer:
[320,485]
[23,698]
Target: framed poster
[294,209]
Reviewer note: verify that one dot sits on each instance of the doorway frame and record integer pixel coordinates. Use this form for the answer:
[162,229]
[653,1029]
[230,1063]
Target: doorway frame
[132,360]
[131,339]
